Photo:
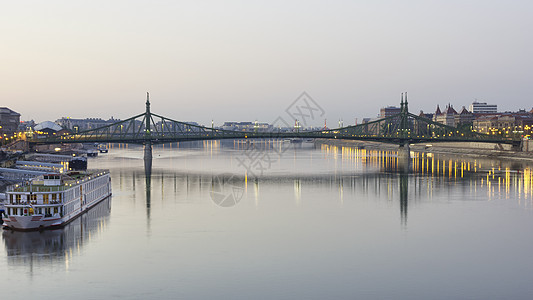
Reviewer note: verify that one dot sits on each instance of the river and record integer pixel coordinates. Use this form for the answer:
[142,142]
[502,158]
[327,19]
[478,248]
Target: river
[280,220]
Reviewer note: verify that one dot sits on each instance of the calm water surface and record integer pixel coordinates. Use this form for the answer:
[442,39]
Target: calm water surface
[225,221]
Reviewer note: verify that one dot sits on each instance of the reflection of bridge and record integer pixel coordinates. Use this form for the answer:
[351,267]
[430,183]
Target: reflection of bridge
[149,128]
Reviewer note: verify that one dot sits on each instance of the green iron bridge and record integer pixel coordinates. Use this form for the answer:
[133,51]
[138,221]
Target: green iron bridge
[149,128]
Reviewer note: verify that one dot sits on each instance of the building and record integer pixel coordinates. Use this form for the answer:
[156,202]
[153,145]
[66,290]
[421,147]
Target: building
[465,117]
[9,121]
[505,123]
[25,126]
[425,115]
[447,117]
[247,126]
[483,108]
[47,128]
[389,111]
[486,124]
[77,125]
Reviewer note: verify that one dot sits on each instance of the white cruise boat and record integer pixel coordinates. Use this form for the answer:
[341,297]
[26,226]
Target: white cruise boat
[54,199]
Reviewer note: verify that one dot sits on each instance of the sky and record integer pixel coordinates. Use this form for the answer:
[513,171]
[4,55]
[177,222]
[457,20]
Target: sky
[250,60]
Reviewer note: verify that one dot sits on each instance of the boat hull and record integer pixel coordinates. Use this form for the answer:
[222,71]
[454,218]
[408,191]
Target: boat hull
[32,223]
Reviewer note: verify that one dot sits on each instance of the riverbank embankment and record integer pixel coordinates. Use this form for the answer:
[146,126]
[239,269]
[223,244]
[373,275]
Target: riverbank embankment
[487,150]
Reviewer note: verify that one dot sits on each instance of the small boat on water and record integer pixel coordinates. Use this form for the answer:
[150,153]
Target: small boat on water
[53,200]
[296,140]
[102,148]
[92,153]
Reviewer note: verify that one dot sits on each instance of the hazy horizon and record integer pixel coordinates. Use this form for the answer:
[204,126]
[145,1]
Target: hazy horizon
[249,60]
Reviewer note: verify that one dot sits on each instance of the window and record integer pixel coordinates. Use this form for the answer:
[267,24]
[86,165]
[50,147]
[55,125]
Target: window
[45,198]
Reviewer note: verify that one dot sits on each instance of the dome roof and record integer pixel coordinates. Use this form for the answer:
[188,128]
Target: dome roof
[47,125]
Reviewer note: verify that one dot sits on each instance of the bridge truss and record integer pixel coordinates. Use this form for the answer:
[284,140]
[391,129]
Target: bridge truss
[150,128]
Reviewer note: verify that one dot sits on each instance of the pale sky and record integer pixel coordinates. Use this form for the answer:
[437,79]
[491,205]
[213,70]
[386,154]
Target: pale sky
[249,60]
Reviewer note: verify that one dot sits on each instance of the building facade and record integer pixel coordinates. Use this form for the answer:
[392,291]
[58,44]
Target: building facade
[389,111]
[483,108]
[465,117]
[506,123]
[247,126]
[77,125]
[447,117]
[9,121]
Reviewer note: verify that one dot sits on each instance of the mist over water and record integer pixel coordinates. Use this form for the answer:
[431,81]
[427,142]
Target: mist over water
[287,221]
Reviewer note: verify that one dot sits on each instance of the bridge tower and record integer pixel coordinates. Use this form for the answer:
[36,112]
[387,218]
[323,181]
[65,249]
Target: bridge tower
[404,117]
[147,133]
[404,152]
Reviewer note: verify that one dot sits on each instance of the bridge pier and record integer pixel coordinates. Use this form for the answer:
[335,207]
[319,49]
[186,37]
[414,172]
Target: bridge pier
[404,151]
[148,158]
[148,150]
[404,157]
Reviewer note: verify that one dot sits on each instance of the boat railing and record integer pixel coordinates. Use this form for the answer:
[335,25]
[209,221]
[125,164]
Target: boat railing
[27,186]
[35,188]
[31,203]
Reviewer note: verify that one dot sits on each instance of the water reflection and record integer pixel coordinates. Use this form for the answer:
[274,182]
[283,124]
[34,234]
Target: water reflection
[56,246]
[356,172]
[399,189]
[404,196]
[365,173]
[148,189]
[498,176]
